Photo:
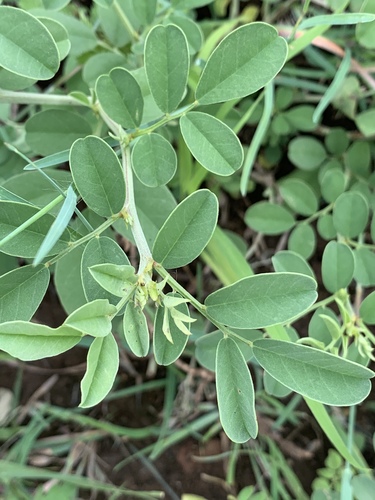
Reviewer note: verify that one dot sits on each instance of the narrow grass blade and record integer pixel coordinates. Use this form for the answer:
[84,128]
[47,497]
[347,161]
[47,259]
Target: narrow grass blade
[58,226]
[258,137]
[334,87]
[337,19]
[326,424]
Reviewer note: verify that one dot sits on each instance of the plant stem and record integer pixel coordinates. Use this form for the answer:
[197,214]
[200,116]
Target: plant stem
[36,98]
[130,207]
[198,306]
[125,21]
[32,219]
[85,238]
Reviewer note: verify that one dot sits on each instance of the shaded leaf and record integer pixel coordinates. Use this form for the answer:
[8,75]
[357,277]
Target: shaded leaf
[350,214]
[337,266]
[116,279]
[269,218]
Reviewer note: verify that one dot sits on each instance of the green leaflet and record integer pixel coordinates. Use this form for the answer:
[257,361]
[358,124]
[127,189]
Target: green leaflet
[206,346]
[100,250]
[262,300]
[306,153]
[235,393]
[269,218]
[291,262]
[102,366]
[232,72]
[313,373]
[116,279]
[350,214]
[367,309]
[31,341]
[337,266]
[68,281]
[93,318]
[53,130]
[144,10]
[59,34]
[165,351]
[26,243]
[154,160]
[136,330]
[167,65]
[29,51]
[21,292]
[98,175]
[299,196]
[302,240]
[121,98]
[187,230]
[212,143]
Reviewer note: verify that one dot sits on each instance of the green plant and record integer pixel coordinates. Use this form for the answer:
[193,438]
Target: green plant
[138,79]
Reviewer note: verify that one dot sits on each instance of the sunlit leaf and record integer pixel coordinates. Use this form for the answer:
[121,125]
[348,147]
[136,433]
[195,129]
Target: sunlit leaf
[262,300]
[232,72]
[187,230]
[319,375]
[98,175]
